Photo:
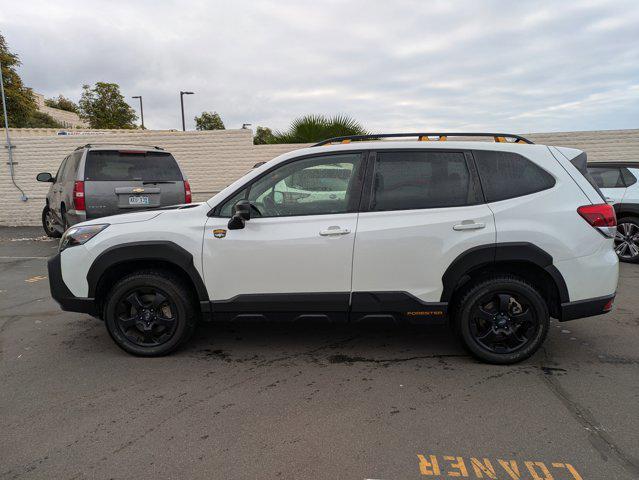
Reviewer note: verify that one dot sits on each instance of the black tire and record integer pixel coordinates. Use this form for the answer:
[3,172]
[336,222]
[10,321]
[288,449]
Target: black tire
[141,333]
[502,320]
[48,222]
[627,239]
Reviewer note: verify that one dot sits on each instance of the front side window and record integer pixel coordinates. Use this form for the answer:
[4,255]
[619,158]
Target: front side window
[607,177]
[312,186]
[507,175]
[416,179]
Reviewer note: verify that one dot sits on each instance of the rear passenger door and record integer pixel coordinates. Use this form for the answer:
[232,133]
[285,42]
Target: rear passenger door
[423,208]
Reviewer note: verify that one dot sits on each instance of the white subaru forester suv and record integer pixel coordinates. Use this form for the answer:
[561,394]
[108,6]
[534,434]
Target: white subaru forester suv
[496,237]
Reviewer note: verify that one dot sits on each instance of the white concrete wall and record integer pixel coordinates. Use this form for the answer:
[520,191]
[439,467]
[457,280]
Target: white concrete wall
[212,159]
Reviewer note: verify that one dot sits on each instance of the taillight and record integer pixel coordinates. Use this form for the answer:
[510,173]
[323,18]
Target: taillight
[78,195]
[187,192]
[601,216]
[608,306]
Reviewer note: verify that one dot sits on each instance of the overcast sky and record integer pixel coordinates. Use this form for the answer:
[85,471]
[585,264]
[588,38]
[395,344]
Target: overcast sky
[395,66]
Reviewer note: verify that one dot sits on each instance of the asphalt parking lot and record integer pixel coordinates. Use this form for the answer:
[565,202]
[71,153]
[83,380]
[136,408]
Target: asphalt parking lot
[292,402]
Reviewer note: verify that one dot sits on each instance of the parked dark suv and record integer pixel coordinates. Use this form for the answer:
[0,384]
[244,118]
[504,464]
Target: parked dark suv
[99,180]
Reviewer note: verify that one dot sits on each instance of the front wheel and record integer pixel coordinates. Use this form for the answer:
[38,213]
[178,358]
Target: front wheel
[49,223]
[627,240]
[150,313]
[502,320]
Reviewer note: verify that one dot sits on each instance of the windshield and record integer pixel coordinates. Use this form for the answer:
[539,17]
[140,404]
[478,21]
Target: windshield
[118,165]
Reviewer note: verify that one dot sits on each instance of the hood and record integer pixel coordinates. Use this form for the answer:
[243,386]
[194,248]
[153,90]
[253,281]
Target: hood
[124,218]
[142,216]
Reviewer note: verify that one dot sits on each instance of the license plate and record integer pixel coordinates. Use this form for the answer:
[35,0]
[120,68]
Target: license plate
[138,200]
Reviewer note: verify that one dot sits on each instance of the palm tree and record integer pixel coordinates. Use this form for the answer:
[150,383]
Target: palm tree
[315,128]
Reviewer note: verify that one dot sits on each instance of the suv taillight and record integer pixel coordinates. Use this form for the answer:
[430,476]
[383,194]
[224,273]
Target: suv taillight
[78,195]
[187,192]
[601,216]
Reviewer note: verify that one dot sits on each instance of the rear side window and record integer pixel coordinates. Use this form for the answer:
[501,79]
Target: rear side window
[629,177]
[411,180]
[507,175]
[607,177]
[114,165]
[71,167]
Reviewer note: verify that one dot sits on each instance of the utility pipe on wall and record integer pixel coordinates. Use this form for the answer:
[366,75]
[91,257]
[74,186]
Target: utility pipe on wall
[9,147]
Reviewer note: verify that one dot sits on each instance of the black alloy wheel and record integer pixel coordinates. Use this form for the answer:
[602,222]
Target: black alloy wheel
[503,322]
[146,316]
[502,319]
[150,312]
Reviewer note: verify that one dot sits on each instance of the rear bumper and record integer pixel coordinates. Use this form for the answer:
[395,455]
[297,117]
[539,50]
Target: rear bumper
[586,308]
[61,293]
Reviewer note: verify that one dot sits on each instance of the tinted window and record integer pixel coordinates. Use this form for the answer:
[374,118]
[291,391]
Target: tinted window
[629,177]
[607,177]
[59,176]
[71,167]
[412,180]
[113,165]
[508,175]
[312,186]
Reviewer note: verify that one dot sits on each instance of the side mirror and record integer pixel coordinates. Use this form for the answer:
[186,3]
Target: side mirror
[44,177]
[242,213]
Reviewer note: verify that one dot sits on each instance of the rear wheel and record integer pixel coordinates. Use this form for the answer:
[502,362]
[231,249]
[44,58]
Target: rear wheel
[149,313]
[49,223]
[627,239]
[502,320]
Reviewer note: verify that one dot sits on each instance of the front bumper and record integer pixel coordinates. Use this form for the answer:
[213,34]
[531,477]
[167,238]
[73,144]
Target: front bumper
[61,293]
[586,308]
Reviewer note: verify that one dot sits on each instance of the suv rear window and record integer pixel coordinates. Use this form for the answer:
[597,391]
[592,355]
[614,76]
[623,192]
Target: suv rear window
[115,165]
[507,175]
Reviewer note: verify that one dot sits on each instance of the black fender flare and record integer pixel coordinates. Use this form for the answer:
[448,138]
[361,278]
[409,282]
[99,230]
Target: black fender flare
[164,251]
[486,255]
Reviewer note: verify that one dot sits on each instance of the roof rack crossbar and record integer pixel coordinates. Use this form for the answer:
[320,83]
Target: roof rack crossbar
[425,136]
[90,145]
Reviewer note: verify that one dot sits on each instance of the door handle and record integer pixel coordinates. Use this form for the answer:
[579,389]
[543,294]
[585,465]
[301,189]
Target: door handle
[466,225]
[334,231]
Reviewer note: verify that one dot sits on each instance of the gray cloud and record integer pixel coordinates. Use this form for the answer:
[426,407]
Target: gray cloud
[519,66]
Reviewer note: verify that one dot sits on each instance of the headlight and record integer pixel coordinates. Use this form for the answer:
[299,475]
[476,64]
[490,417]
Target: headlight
[80,235]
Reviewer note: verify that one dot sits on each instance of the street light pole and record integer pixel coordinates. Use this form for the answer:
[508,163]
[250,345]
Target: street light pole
[182,106]
[141,110]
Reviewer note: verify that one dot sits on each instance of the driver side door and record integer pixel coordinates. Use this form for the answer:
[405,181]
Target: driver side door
[295,254]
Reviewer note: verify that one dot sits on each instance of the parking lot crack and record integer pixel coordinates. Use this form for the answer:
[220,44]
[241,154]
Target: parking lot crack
[599,439]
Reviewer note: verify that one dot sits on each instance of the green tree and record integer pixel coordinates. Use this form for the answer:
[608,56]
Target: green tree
[209,121]
[62,103]
[263,135]
[21,105]
[315,128]
[103,106]
[42,120]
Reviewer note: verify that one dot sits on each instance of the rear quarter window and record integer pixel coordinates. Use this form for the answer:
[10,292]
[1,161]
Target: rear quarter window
[508,175]
[607,177]
[114,165]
